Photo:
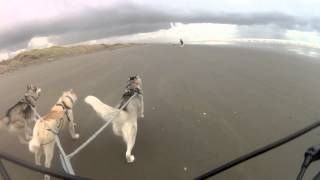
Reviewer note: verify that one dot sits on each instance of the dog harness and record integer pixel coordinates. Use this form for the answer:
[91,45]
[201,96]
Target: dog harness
[24,101]
[128,93]
[61,120]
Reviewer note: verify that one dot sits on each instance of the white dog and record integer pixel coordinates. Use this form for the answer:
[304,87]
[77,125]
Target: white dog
[45,128]
[125,123]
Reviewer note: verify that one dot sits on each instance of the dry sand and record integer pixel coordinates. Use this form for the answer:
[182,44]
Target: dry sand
[205,105]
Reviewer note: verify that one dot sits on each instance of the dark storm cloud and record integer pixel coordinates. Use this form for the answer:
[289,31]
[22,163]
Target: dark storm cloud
[94,23]
[128,19]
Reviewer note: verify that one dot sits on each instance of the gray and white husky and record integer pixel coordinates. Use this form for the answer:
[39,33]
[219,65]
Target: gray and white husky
[20,118]
[125,123]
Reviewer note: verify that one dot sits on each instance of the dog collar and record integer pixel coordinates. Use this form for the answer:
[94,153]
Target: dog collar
[25,100]
[72,102]
[131,91]
[65,109]
[63,104]
[70,98]
[34,98]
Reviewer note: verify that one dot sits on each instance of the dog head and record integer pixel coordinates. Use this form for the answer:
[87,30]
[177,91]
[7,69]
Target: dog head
[69,98]
[134,82]
[33,91]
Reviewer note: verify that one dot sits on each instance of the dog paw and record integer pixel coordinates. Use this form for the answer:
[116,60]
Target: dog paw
[130,159]
[23,141]
[28,138]
[46,177]
[76,136]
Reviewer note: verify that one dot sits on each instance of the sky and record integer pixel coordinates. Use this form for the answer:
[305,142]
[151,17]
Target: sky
[29,23]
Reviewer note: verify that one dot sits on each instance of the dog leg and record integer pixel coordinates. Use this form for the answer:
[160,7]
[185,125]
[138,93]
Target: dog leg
[48,151]
[72,125]
[129,134]
[38,156]
[116,129]
[27,132]
[22,139]
[142,108]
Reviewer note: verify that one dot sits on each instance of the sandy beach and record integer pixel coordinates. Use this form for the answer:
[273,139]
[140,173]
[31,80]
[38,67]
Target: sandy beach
[204,105]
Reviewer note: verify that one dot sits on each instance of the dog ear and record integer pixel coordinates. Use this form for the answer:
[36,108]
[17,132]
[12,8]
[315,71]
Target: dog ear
[38,90]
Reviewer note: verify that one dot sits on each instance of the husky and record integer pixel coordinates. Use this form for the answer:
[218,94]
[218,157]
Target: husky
[125,122]
[48,126]
[21,117]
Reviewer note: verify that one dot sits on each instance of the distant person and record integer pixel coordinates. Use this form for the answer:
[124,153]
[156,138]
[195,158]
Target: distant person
[181,43]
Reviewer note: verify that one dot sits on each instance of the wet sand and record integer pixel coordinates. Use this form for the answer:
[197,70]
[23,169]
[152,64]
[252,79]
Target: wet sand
[204,105]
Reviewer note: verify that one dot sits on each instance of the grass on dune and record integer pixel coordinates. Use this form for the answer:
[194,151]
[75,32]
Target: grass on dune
[52,53]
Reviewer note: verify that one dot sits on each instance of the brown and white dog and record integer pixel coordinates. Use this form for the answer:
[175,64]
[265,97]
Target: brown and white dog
[42,141]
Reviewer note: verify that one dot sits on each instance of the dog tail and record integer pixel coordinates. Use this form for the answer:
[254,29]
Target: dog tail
[34,143]
[3,121]
[103,110]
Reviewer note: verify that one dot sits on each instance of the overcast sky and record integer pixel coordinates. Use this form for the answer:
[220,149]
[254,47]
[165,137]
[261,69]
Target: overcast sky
[72,21]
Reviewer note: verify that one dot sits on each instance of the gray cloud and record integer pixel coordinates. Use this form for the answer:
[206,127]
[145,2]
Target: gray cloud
[128,19]
[261,31]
